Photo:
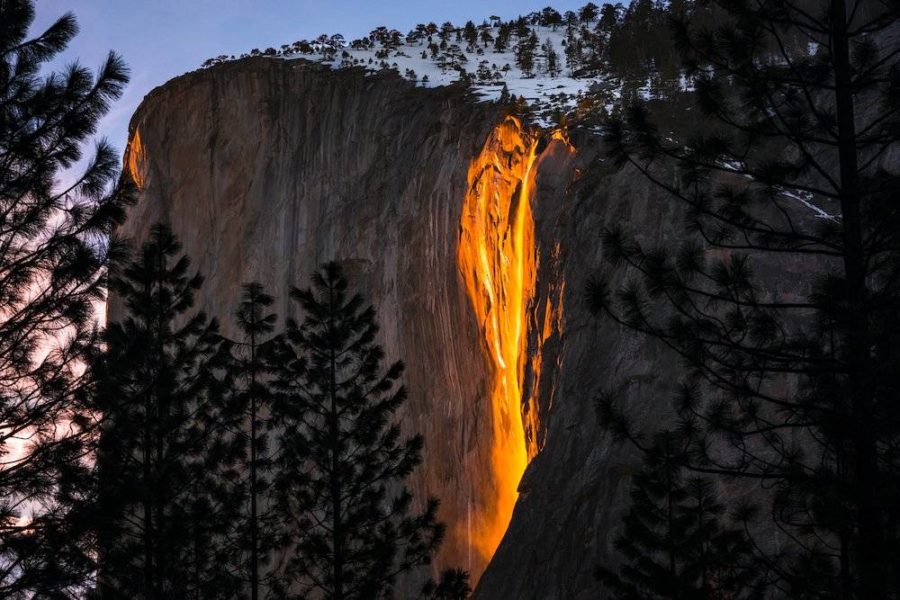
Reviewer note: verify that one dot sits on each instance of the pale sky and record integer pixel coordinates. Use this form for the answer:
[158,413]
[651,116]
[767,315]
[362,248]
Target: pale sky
[160,39]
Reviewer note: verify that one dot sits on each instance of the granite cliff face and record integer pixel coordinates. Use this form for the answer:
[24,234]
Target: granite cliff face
[472,234]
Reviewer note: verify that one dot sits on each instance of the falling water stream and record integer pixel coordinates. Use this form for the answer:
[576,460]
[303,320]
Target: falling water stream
[497,259]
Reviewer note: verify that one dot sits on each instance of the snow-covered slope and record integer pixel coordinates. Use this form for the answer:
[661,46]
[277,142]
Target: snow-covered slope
[563,69]
[487,69]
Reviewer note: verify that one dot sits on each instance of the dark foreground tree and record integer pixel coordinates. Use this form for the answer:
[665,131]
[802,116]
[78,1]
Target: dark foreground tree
[52,253]
[343,461]
[677,543]
[248,411]
[163,510]
[452,585]
[783,300]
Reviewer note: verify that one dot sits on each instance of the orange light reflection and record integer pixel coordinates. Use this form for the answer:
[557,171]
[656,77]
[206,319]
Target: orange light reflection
[496,256]
[136,160]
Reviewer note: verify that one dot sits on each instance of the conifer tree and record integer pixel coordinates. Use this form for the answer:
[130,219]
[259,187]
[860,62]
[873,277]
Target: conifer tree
[248,381]
[469,33]
[522,28]
[505,97]
[791,387]
[610,19]
[446,29]
[550,17]
[52,255]
[525,53]
[676,543]
[573,52]
[501,42]
[552,59]
[453,585]
[486,37]
[343,459]
[588,12]
[162,507]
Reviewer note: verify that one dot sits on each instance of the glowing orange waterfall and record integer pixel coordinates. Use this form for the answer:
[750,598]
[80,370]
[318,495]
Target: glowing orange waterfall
[136,160]
[496,257]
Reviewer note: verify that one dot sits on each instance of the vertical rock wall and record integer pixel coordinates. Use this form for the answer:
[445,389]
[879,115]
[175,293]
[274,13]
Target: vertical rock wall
[265,168]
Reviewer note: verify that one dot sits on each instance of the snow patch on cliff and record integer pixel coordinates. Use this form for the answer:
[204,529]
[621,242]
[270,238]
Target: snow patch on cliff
[552,63]
[486,69]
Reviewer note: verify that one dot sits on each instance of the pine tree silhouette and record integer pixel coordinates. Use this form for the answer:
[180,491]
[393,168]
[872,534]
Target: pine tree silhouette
[343,460]
[453,585]
[469,33]
[163,510]
[248,380]
[525,49]
[588,12]
[675,544]
[552,59]
[52,256]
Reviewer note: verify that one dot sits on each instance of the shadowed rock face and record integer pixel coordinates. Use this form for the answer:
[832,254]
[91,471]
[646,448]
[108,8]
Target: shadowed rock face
[266,168]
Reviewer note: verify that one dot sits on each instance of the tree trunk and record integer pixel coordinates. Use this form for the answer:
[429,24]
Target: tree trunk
[254,553]
[334,434]
[162,424]
[869,546]
[147,503]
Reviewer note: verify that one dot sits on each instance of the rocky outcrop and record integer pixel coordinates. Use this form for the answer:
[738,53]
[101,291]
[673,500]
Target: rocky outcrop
[266,168]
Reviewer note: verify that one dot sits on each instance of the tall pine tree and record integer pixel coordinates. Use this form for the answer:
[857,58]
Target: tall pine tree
[248,406]
[525,49]
[676,543]
[343,459]
[163,508]
[52,255]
